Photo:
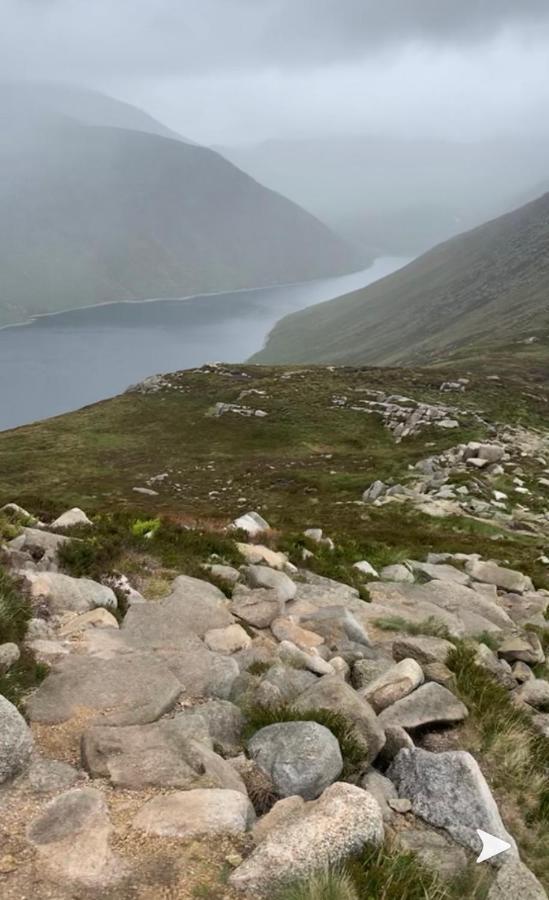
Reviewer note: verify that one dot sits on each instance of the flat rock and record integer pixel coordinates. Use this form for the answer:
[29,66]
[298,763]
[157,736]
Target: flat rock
[15,741]
[227,640]
[434,851]
[428,705]
[535,692]
[336,826]
[397,572]
[301,758]
[62,592]
[526,649]
[265,577]
[440,572]
[335,695]
[72,838]
[424,650]
[256,607]
[257,554]
[514,879]
[130,689]
[492,573]
[286,629]
[187,814]
[201,672]
[394,684]
[42,545]
[49,776]
[336,625]
[448,790]
[94,618]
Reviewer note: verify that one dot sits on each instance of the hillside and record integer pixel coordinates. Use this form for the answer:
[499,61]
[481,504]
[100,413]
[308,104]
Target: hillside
[481,297]
[278,586]
[92,213]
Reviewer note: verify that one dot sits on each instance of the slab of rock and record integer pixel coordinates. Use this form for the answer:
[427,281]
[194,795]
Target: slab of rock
[256,607]
[376,490]
[448,790]
[514,879]
[335,625]
[95,618]
[382,789]
[72,835]
[187,814]
[294,656]
[201,672]
[424,650]
[74,516]
[429,705]
[397,572]
[62,592]
[15,741]
[336,826]
[535,692]
[227,640]
[130,689]
[394,684]
[265,577]
[500,669]
[286,629]
[440,674]
[225,573]
[257,554]
[367,670]
[42,545]
[9,655]
[49,776]
[526,649]
[434,851]
[440,572]
[281,814]
[252,523]
[221,721]
[301,758]
[335,695]
[492,573]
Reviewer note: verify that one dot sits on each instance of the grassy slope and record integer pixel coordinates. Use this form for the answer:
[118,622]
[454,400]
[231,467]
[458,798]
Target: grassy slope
[480,292]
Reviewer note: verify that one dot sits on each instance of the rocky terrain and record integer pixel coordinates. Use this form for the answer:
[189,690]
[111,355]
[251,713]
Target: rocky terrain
[325,701]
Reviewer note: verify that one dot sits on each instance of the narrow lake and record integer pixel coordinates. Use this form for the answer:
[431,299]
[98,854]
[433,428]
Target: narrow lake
[61,362]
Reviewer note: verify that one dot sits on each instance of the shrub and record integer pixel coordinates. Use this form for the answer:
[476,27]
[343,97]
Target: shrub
[15,610]
[323,886]
[142,527]
[431,627]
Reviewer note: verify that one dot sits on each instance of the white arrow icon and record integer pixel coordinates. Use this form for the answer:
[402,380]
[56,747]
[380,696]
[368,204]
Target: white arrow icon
[491,845]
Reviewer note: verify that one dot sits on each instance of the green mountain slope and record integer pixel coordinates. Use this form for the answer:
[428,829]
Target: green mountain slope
[484,292]
[96,213]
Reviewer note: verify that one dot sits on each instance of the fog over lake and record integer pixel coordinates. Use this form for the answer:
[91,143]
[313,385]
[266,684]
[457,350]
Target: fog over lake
[61,362]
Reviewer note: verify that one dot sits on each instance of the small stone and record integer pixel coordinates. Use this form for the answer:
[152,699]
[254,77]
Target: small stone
[227,640]
[186,814]
[400,805]
[9,655]
[366,568]
[72,517]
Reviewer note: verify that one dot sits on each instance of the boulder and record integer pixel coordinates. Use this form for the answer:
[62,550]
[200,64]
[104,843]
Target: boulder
[336,625]
[281,814]
[522,672]
[302,758]
[492,573]
[74,516]
[188,814]
[9,655]
[440,674]
[374,492]
[500,669]
[448,790]
[535,692]
[252,523]
[332,694]
[424,650]
[440,572]
[130,689]
[265,577]
[514,879]
[221,721]
[382,789]
[526,649]
[336,826]
[42,545]
[62,592]
[72,835]
[394,684]
[286,629]
[95,618]
[366,568]
[227,640]
[49,776]
[293,656]
[224,573]
[429,705]
[397,572]
[434,851]
[256,607]
[367,670]
[15,741]
[396,739]
[257,554]
[201,672]
[283,684]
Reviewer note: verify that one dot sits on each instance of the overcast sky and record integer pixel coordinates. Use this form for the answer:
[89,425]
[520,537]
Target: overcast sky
[230,71]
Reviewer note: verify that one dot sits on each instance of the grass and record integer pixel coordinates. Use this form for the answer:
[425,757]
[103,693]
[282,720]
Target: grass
[430,627]
[21,678]
[15,610]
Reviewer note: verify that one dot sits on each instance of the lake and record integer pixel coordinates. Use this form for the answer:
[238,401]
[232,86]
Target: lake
[61,362]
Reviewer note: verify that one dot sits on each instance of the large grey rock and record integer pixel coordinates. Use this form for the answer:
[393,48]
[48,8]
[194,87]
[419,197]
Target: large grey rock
[294,656]
[257,607]
[221,721]
[382,789]
[335,695]
[72,838]
[492,573]
[449,791]
[440,572]
[162,754]
[376,490]
[336,826]
[252,523]
[201,672]
[500,669]
[187,814]
[62,592]
[42,545]
[49,776]
[434,851]
[535,692]
[302,758]
[72,517]
[431,704]
[228,640]
[397,572]
[283,684]
[526,649]
[424,650]
[365,671]
[265,577]
[514,880]
[335,625]
[286,629]
[192,608]
[15,741]
[130,689]
[394,684]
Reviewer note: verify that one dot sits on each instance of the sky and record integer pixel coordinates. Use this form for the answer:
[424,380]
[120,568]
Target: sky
[241,71]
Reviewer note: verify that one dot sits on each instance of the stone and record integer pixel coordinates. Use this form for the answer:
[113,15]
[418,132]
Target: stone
[501,671]
[42,545]
[221,721]
[366,568]
[314,534]
[535,692]
[374,492]
[367,670]
[257,554]
[522,672]
[162,754]
[400,806]
[526,649]
[492,573]
[394,684]
[72,837]
[396,739]
[440,674]
[72,517]
[224,573]
[130,689]
[440,572]
[15,741]
[285,629]
[201,672]
[382,789]
[335,625]
[281,814]
[397,572]
[252,523]
[265,577]
[434,851]
[336,826]
[256,607]
[14,511]
[50,776]
[187,814]
[9,655]
[428,705]
[448,790]
[514,879]
[62,592]
[227,640]
[49,653]
[424,650]
[95,618]
[293,656]
[301,758]
[288,683]
[333,694]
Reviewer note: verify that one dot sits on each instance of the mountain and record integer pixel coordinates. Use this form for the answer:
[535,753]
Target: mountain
[393,196]
[478,295]
[93,211]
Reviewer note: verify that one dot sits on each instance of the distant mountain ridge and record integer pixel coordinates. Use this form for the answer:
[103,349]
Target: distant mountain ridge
[484,292]
[95,212]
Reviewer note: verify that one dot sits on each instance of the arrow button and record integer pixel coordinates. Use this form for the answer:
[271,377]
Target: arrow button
[491,845]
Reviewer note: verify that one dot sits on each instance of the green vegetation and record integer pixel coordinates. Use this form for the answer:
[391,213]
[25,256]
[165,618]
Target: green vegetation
[21,678]
[431,627]
[15,610]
